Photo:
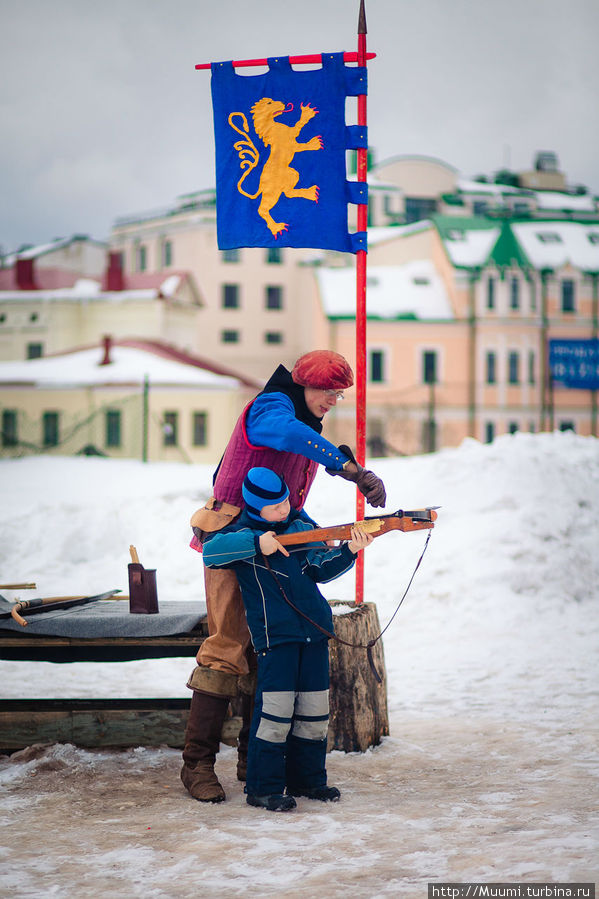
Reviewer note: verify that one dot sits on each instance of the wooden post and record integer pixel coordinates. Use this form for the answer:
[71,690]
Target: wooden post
[358,713]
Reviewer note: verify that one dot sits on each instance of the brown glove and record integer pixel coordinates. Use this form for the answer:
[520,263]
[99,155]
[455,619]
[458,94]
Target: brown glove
[366,481]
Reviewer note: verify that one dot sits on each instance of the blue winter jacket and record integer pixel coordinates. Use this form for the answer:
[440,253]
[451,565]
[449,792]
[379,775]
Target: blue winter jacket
[270,619]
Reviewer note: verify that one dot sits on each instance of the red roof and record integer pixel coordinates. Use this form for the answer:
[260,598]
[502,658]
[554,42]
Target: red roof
[45,278]
[146,280]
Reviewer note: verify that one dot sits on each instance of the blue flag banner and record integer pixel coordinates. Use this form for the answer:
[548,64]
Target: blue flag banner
[575,363]
[281,142]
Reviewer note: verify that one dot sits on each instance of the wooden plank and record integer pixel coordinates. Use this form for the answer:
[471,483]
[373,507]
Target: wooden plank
[182,639]
[109,649]
[95,723]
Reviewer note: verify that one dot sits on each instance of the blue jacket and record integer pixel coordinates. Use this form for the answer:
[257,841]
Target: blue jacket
[270,619]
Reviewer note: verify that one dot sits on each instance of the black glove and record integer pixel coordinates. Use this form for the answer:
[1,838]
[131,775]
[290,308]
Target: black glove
[366,481]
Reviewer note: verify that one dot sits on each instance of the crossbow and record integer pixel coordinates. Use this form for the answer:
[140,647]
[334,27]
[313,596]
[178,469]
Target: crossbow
[402,520]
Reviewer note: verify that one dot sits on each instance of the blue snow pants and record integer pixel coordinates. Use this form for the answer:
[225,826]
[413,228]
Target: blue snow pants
[288,735]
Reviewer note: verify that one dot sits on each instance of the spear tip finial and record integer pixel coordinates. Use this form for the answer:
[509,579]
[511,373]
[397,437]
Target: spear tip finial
[362,19]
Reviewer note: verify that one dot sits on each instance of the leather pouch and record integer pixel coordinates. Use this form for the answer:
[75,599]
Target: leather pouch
[214,516]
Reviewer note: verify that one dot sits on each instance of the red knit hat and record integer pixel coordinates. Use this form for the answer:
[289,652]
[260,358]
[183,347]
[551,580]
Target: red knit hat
[324,370]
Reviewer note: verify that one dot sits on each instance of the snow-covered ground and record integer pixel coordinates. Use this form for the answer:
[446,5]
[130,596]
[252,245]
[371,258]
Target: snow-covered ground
[491,769]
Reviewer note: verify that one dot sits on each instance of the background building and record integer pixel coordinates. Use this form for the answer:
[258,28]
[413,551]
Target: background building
[57,264]
[468,280]
[460,313]
[253,315]
[38,322]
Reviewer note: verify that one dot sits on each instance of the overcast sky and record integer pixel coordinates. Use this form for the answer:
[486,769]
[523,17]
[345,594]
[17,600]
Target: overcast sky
[102,113]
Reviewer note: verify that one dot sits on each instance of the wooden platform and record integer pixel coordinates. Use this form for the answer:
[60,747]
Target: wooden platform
[359,717]
[17,647]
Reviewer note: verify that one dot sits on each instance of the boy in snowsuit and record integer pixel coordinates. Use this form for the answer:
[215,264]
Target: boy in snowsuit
[288,736]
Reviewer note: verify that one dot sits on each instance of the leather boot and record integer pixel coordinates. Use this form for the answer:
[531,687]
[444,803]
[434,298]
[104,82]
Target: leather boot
[202,740]
[247,710]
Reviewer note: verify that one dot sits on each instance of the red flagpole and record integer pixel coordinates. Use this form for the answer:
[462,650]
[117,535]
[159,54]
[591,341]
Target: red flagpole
[361,257]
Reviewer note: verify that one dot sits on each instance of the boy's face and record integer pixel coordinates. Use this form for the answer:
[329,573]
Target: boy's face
[277,512]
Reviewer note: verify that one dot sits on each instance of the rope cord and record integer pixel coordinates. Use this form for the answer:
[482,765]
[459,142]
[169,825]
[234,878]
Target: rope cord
[371,643]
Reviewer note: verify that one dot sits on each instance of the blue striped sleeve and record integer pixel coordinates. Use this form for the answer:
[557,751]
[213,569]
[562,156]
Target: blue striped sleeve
[222,549]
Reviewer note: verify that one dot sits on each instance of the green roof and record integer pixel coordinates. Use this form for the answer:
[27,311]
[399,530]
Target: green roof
[452,199]
[507,250]
[504,251]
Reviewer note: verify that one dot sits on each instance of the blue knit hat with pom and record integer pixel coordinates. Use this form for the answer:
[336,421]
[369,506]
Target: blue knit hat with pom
[262,487]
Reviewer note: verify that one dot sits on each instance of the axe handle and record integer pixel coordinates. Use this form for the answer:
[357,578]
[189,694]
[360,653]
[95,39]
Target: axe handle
[134,556]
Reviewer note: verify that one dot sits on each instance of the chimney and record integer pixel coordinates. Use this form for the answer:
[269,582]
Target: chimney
[114,273]
[25,274]
[107,344]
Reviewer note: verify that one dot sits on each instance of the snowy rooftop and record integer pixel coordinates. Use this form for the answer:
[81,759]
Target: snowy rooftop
[548,200]
[468,246]
[467,186]
[50,247]
[128,366]
[89,289]
[414,289]
[555,244]
[554,200]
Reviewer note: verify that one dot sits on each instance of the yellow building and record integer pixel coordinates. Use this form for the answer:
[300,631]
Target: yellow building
[129,399]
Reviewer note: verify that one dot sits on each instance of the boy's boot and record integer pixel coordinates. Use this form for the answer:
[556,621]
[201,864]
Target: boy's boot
[275,802]
[325,794]
[202,741]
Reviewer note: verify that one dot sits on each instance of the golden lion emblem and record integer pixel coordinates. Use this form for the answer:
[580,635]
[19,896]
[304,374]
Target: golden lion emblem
[277,175]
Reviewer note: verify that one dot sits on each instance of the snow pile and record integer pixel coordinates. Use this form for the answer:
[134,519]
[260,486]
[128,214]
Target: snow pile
[511,564]
[490,769]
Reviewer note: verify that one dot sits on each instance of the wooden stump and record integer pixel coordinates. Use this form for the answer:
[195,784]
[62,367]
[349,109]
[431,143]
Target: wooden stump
[358,715]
